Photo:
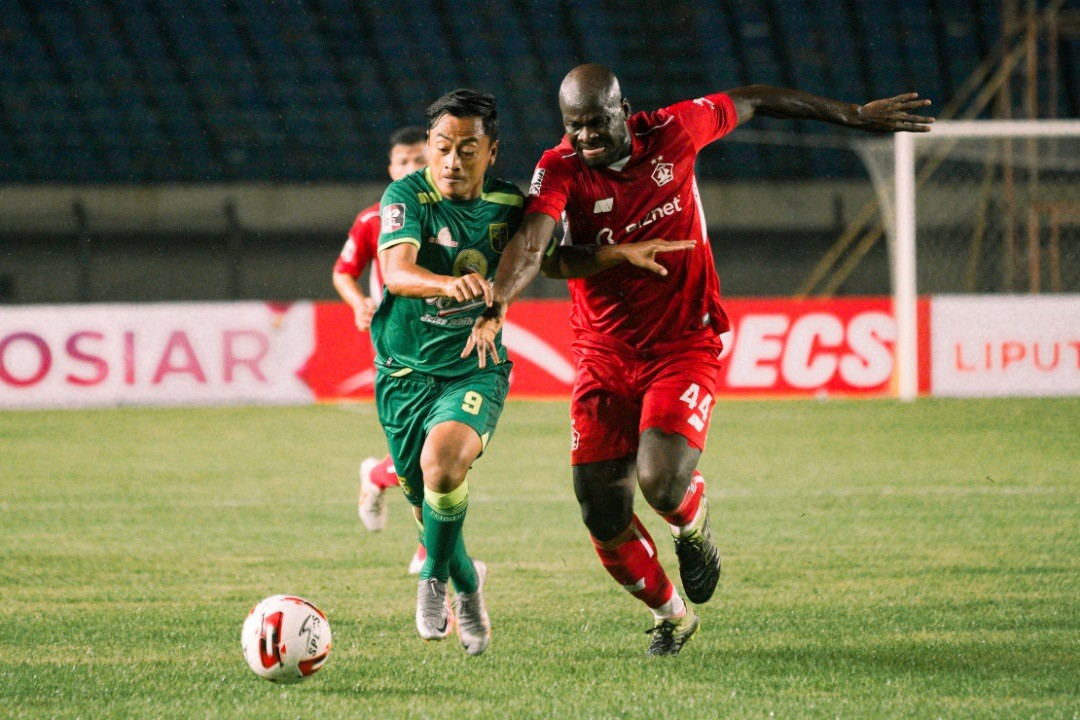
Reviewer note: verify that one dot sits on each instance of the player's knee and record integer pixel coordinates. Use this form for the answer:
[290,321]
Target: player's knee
[663,487]
[604,523]
[605,514]
[443,477]
[605,492]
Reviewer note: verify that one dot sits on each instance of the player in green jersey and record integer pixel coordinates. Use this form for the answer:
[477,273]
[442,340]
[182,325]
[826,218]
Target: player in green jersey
[443,232]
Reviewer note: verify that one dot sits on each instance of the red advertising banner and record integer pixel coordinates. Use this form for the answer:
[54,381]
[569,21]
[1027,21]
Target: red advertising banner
[537,338]
[778,347]
[816,347]
[235,353]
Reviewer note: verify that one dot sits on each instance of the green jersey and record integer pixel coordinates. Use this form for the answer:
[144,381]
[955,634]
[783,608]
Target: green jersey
[452,238]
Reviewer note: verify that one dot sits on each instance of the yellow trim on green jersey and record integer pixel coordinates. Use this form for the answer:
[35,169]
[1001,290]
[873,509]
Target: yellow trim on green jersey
[399,241]
[434,196]
[429,197]
[401,373]
[502,198]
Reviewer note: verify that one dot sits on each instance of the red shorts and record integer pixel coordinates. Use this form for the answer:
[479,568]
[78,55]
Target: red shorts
[618,394]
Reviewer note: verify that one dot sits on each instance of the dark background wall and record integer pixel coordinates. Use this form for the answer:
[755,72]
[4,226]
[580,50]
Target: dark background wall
[113,112]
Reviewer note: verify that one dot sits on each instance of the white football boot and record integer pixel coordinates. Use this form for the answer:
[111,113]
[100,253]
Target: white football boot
[474,625]
[372,506]
[433,619]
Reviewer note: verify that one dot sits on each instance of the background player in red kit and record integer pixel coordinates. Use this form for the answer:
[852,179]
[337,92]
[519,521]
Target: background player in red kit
[408,153]
[646,337]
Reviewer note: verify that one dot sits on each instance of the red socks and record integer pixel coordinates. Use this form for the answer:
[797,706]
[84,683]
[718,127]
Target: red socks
[634,565]
[384,474]
[687,511]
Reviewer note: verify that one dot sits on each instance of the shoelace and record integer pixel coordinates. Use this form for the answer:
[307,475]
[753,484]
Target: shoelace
[435,601]
[697,543]
[665,629]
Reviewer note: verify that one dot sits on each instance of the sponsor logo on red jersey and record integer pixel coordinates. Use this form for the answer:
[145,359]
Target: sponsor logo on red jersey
[537,181]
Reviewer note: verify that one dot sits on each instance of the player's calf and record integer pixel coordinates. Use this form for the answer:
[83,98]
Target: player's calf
[699,558]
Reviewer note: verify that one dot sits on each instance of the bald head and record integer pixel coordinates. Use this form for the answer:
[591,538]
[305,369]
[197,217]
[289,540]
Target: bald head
[594,115]
[590,85]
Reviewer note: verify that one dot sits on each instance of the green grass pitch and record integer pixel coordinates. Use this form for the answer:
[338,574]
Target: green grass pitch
[881,560]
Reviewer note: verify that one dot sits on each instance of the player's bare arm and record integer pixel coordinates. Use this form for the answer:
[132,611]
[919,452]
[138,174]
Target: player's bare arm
[895,114]
[520,263]
[362,306]
[404,278]
[572,261]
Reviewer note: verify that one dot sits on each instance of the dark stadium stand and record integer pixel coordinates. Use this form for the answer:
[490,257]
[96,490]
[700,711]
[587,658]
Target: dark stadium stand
[146,91]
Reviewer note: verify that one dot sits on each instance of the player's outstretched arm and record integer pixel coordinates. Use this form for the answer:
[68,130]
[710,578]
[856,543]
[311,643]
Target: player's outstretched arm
[404,278]
[575,261]
[895,114]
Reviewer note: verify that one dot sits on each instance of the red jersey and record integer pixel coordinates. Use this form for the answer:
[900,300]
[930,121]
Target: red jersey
[362,249]
[654,195]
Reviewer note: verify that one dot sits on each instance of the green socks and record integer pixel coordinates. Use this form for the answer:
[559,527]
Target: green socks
[444,517]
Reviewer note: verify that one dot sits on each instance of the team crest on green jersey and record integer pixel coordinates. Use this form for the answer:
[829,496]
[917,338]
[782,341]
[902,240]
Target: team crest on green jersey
[470,261]
[500,236]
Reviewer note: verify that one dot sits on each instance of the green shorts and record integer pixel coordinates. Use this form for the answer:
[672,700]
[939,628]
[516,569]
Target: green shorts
[411,405]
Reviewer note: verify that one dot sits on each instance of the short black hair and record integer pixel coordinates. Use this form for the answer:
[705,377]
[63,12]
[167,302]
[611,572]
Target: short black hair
[408,135]
[463,103]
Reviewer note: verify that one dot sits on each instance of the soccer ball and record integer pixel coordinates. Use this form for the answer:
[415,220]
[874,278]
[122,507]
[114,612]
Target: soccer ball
[285,639]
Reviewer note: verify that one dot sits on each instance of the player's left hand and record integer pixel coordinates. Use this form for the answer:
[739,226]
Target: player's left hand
[894,115]
[482,339]
[643,254]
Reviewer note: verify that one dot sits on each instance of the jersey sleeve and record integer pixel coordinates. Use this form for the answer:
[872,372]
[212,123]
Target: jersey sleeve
[550,186]
[706,118]
[399,214]
[361,245]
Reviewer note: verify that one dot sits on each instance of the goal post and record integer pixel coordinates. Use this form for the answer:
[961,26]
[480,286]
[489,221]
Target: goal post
[976,207]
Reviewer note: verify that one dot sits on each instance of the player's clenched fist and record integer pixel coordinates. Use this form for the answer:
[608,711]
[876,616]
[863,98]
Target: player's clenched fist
[468,287]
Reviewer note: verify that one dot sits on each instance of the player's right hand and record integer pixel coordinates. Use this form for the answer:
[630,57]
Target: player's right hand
[468,287]
[643,254]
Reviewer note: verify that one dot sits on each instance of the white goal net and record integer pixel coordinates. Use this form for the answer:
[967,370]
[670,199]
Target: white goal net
[977,207]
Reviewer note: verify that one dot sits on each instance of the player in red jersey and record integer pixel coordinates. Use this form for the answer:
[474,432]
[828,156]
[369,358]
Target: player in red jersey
[646,332]
[408,153]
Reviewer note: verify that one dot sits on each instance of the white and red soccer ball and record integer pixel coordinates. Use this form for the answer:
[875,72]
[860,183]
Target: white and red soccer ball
[285,639]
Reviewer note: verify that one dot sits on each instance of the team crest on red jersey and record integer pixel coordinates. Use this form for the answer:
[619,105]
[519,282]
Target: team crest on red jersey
[393,217]
[663,172]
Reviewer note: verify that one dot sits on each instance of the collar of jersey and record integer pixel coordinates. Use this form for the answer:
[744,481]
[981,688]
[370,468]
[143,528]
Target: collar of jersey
[434,196]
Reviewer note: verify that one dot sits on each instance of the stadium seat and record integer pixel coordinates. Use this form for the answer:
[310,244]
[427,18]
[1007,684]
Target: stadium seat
[155,91]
